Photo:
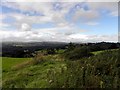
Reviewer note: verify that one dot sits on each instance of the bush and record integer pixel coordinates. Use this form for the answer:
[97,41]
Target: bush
[100,71]
[77,53]
[51,51]
[39,58]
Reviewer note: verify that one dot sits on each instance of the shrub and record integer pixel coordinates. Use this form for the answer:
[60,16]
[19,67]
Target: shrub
[100,71]
[51,51]
[77,53]
[39,58]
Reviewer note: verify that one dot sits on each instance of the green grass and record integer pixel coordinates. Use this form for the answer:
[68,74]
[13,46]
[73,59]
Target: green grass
[8,62]
[98,52]
[34,76]
[100,70]
[29,75]
[0,71]
[60,51]
[0,61]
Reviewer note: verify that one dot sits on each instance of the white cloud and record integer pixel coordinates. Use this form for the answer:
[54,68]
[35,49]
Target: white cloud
[114,13]
[63,30]
[92,23]
[103,5]
[25,27]
[2,16]
[85,16]
[94,38]
[112,7]
[78,36]
[53,35]
[60,0]
[2,25]
[58,17]
[49,14]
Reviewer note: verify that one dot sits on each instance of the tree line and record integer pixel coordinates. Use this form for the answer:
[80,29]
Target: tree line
[29,51]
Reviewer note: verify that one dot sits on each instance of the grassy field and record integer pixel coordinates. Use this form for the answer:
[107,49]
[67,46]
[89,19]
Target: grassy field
[34,76]
[8,63]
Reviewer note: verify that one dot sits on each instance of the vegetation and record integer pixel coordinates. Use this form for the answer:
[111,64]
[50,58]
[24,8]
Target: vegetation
[77,53]
[8,63]
[31,76]
[76,66]
[100,71]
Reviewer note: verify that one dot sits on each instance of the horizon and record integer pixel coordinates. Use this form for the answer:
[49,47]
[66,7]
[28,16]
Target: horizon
[59,41]
[59,21]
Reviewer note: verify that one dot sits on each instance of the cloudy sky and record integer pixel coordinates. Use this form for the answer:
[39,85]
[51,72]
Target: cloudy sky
[84,21]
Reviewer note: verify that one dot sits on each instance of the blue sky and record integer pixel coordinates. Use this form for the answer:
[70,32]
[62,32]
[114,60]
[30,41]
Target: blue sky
[59,21]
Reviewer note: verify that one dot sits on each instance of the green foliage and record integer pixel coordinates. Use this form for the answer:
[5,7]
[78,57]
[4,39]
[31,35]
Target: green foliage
[70,46]
[47,71]
[100,71]
[51,51]
[77,53]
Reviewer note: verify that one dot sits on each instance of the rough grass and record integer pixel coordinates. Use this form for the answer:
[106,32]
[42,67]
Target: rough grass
[30,73]
[34,76]
[102,51]
[99,71]
[0,71]
[51,71]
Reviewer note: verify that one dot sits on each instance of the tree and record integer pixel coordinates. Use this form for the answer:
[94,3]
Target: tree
[70,46]
[50,51]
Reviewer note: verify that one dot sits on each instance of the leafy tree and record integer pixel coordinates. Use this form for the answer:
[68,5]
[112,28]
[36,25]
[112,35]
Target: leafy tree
[70,46]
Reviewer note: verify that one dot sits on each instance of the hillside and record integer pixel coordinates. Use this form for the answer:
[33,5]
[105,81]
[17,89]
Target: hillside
[101,70]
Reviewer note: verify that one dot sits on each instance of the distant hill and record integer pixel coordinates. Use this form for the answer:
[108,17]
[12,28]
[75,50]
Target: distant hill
[13,48]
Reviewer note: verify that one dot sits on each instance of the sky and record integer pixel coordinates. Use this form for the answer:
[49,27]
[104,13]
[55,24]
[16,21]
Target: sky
[59,21]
